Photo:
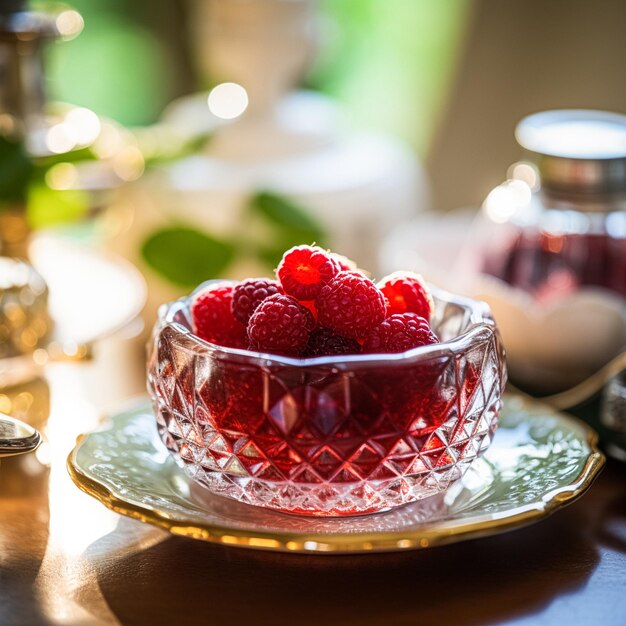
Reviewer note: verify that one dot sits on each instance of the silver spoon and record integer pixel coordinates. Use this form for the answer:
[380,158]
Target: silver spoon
[16,437]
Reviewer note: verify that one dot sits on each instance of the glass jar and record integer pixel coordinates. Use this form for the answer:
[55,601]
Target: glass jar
[558,233]
[571,231]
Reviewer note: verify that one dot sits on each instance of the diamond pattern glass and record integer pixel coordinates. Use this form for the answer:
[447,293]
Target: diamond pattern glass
[327,437]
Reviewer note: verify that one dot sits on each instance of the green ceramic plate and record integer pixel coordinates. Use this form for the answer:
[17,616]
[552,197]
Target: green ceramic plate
[539,461]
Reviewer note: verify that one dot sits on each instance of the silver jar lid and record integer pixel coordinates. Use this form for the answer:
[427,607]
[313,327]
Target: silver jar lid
[577,152]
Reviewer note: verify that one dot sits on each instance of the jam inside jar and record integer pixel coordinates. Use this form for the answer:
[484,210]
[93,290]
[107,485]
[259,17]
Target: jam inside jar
[566,251]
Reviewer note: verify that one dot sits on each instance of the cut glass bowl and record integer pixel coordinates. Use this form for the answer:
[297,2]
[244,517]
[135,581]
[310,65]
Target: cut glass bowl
[329,435]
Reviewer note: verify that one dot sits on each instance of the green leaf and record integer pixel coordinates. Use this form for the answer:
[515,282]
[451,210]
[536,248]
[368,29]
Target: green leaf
[48,207]
[73,156]
[15,170]
[164,153]
[292,224]
[271,255]
[186,256]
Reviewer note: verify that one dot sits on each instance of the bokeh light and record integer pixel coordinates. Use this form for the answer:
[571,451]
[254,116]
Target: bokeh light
[84,125]
[228,101]
[62,176]
[525,172]
[69,24]
[506,200]
[60,138]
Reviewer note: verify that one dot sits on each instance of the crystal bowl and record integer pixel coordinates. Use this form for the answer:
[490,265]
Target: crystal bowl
[329,435]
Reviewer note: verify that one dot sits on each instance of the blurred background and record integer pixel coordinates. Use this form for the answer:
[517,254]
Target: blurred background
[452,77]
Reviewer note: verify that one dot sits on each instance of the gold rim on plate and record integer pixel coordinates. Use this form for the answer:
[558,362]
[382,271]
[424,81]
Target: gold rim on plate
[426,534]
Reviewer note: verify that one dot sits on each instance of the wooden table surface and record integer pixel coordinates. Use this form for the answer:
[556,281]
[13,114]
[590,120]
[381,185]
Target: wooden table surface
[66,559]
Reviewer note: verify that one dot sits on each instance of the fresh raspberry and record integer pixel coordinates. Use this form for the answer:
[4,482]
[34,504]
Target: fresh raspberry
[324,341]
[249,293]
[304,270]
[310,304]
[407,293]
[398,333]
[213,319]
[351,305]
[280,325]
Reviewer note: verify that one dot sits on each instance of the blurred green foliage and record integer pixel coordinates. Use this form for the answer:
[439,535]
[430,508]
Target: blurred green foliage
[16,170]
[49,207]
[186,256]
[118,66]
[291,224]
[391,61]
[22,181]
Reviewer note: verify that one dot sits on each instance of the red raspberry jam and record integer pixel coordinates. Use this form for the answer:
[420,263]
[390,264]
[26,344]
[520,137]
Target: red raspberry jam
[548,265]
